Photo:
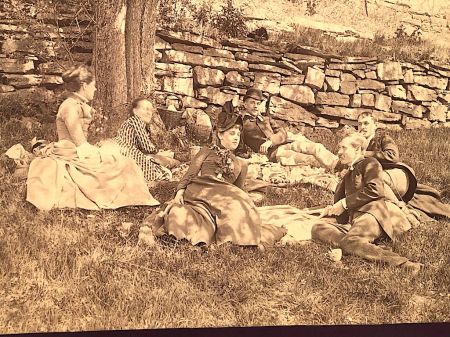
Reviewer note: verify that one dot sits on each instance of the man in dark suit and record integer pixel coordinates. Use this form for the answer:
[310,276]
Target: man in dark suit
[363,213]
[400,179]
[262,135]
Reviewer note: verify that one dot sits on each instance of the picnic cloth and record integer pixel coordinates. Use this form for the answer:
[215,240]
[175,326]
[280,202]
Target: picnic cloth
[297,222]
[259,167]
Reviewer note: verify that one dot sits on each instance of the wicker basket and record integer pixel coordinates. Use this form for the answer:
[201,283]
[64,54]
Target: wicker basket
[170,118]
[198,133]
[171,113]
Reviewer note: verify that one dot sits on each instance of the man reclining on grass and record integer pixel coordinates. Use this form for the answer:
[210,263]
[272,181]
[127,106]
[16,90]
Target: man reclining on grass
[261,134]
[401,185]
[398,176]
[363,214]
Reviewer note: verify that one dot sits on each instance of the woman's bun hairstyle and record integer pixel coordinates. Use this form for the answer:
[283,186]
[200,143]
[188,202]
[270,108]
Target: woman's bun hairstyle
[76,75]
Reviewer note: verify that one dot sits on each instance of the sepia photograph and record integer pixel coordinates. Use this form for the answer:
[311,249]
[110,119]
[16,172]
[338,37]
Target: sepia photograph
[225,167]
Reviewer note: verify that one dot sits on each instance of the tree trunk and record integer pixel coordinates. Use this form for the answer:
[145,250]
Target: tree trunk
[139,41]
[140,59]
[124,55]
[109,60]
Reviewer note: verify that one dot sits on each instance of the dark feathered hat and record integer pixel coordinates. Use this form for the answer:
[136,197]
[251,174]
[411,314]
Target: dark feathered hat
[226,120]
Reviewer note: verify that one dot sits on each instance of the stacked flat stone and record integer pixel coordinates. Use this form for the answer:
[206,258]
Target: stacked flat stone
[308,87]
[32,59]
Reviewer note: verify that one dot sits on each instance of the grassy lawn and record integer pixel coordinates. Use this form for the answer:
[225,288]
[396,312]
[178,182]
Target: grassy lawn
[68,270]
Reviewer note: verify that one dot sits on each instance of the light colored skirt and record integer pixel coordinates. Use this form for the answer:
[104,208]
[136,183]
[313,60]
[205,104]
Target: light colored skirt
[59,178]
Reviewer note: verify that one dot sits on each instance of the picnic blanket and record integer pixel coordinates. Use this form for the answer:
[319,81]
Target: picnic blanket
[259,167]
[297,222]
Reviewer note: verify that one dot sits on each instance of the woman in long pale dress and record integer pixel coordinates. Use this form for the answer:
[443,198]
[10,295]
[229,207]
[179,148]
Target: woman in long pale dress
[72,173]
[210,205]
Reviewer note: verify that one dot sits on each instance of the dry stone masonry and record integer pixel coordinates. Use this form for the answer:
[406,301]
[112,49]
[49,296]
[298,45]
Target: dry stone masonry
[305,88]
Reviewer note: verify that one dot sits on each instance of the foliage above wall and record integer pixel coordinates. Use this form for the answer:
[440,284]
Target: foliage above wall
[318,87]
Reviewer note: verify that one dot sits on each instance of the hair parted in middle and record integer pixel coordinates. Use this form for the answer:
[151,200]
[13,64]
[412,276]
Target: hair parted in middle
[135,102]
[367,114]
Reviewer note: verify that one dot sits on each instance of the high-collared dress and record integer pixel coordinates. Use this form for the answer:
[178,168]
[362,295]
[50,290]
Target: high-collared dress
[216,209]
[71,173]
[134,142]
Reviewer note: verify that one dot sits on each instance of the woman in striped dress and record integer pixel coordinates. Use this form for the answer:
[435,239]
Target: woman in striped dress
[134,141]
[71,173]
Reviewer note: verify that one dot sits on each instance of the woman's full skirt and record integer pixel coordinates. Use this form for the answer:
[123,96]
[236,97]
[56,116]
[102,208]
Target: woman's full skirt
[216,211]
[59,178]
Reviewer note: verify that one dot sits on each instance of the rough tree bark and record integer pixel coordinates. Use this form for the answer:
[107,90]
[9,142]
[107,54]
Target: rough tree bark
[124,55]
[109,57]
[139,41]
[140,60]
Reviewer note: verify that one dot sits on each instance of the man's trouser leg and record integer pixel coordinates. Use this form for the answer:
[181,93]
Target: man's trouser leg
[326,158]
[359,241]
[329,233]
[289,157]
[397,180]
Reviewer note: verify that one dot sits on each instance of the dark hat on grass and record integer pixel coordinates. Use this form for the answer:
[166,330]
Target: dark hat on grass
[226,120]
[255,94]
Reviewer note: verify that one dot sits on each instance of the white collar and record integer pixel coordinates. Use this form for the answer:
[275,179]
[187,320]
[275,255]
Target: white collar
[352,165]
[84,99]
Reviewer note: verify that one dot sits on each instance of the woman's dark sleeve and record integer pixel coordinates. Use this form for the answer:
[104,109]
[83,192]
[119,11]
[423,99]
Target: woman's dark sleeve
[194,168]
[240,180]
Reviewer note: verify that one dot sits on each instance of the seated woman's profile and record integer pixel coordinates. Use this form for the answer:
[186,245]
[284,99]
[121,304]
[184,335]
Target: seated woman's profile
[72,173]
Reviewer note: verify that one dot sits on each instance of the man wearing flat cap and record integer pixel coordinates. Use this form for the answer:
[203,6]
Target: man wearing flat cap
[261,134]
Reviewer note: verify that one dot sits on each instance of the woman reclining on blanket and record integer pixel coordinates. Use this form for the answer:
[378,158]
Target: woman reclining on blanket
[72,173]
[134,142]
[210,205]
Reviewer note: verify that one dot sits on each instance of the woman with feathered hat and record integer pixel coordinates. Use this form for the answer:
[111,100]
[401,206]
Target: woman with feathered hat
[210,205]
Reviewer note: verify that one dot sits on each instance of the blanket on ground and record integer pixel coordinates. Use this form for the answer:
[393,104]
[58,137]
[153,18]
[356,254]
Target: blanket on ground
[278,174]
[297,222]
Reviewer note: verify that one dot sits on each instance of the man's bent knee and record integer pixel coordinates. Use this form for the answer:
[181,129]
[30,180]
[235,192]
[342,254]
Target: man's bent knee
[318,231]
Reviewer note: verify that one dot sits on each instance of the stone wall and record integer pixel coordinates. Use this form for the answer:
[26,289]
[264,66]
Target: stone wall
[305,88]
[35,48]
[435,22]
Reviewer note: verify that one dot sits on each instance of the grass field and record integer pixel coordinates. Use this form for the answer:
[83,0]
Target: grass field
[67,270]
